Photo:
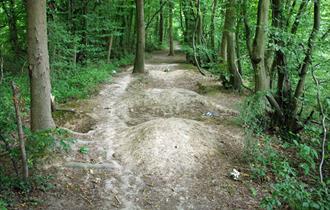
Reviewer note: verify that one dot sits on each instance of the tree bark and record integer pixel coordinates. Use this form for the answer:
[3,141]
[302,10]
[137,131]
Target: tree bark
[308,54]
[212,26]
[259,47]
[140,41]
[40,87]
[170,33]
[229,33]
[20,132]
[161,23]
[109,48]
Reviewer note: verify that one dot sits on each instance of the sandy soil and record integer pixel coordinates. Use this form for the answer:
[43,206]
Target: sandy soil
[152,145]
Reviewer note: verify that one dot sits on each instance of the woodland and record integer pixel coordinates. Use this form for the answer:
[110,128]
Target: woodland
[247,81]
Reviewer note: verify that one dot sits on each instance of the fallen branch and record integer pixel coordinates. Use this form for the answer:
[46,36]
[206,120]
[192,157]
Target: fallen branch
[20,131]
[73,132]
[65,110]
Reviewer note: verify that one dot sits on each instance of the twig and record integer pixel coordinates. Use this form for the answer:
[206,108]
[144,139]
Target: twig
[117,200]
[20,131]
[323,116]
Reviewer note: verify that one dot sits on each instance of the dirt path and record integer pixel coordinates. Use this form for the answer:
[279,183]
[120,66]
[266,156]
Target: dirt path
[156,143]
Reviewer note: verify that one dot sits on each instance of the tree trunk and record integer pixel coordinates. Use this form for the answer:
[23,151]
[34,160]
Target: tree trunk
[199,23]
[170,33]
[109,48]
[259,47]
[229,33]
[212,26]
[20,132]
[140,41]
[190,25]
[161,23]
[41,117]
[223,50]
[308,55]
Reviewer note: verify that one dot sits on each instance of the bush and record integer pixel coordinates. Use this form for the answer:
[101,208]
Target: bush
[291,165]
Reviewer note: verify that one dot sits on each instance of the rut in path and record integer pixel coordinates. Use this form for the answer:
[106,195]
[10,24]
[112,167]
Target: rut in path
[155,145]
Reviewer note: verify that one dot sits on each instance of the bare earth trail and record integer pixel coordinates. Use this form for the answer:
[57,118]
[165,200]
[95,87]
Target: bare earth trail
[152,145]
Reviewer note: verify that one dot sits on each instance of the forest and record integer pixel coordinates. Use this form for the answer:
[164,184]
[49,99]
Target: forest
[164,104]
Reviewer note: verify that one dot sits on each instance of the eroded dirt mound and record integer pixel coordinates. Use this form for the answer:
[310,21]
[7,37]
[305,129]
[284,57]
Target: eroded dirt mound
[170,76]
[170,146]
[156,144]
[153,103]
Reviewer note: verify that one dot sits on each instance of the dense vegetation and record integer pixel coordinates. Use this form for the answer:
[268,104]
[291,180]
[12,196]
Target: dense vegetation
[277,51]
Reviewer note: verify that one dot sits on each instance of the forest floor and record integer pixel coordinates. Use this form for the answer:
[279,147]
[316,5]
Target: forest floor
[163,140]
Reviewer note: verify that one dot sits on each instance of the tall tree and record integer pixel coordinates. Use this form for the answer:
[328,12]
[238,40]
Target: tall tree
[161,23]
[41,117]
[170,33]
[140,41]
[259,47]
[229,33]
[212,26]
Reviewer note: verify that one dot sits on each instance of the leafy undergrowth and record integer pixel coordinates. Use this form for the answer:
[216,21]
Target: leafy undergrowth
[67,84]
[291,166]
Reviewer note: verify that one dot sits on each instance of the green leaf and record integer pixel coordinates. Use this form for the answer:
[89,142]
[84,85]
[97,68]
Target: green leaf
[84,150]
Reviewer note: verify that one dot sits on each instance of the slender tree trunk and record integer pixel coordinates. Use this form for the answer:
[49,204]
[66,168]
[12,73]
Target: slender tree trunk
[161,23]
[308,55]
[259,47]
[20,132]
[300,13]
[212,26]
[140,41]
[41,117]
[199,23]
[170,33]
[238,48]
[109,48]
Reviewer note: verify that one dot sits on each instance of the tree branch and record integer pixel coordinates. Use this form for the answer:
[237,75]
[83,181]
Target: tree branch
[323,123]
[154,15]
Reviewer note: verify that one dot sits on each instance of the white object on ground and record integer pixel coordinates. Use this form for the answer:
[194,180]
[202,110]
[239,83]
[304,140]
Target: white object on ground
[235,174]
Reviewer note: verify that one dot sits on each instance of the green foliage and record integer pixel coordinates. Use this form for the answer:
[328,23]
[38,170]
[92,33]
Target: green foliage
[81,83]
[255,119]
[3,205]
[297,195]
[290,165]
[288,188]
[84,150]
